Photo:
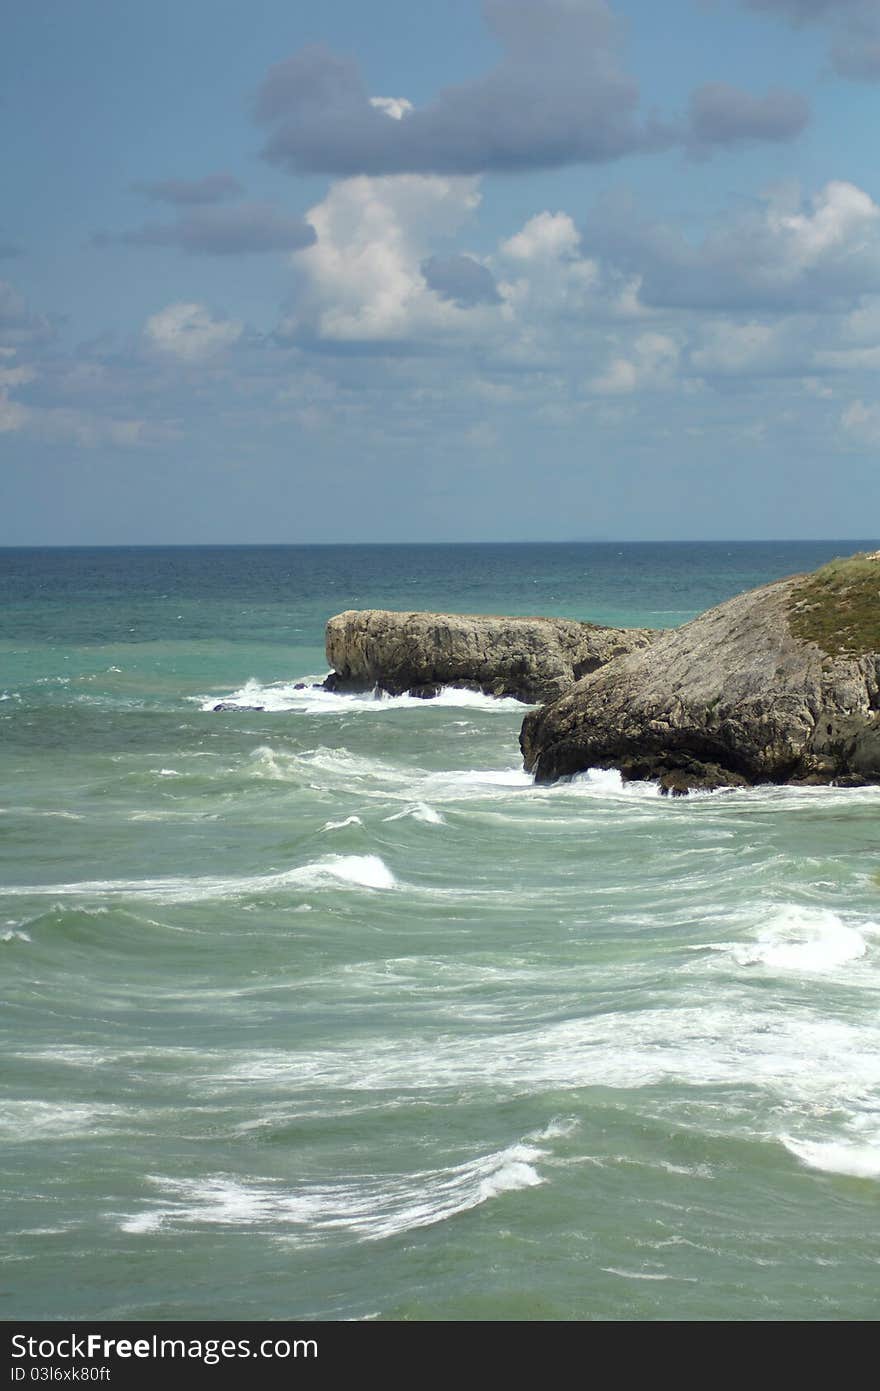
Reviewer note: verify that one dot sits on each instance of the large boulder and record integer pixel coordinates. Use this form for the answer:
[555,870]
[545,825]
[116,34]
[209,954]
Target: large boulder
[533,659]
[781,684]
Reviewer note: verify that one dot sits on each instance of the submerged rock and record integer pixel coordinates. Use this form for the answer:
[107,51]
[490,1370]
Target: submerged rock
[533,659]
[781,684]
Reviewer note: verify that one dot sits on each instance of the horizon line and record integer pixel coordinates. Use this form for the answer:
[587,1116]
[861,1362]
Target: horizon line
[327,545]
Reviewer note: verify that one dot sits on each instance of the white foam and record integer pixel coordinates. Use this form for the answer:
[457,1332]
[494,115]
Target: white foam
[803,1057]
[25,1120]
[43,1231]
[312,699]
[11,934]
[331,768]
[475,700]
[608,782]
[800,939]
[837,1156]
[340,825]
[368,1207]
[561,1127]
[367,871]
[360,871]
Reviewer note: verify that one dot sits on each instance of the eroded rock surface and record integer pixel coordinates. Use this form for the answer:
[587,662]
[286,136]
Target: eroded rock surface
[781,684]
[533,659]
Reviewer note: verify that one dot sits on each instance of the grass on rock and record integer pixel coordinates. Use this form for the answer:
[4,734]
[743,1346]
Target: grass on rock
[838,606]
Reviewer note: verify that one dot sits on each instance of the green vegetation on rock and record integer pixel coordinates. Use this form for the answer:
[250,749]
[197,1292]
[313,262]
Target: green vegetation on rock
[838,606]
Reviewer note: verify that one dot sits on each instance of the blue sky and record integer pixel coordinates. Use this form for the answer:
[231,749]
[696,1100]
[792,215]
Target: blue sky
[496,269]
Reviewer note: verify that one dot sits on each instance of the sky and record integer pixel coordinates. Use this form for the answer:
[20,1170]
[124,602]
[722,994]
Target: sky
[489,270]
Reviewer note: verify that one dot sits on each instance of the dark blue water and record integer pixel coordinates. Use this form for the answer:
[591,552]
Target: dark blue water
[124,594]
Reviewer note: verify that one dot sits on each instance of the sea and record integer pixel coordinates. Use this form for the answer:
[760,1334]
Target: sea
[325,1011]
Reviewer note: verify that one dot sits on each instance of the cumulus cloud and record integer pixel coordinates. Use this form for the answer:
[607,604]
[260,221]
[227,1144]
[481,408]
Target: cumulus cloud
[721,115]
[855,31]
[785,252]
[549,280]
[190,333]
[213,188]
[546,236]
[241,230]
[364,280]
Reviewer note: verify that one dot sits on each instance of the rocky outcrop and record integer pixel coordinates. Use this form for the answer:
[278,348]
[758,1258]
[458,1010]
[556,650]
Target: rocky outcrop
[781,684]
[533,659]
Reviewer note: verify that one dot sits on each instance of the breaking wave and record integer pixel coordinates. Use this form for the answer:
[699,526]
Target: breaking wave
[367,1207]
[309,697]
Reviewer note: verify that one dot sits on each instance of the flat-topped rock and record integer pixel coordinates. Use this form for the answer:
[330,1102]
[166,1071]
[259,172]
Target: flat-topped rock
[781,684]
[533,659]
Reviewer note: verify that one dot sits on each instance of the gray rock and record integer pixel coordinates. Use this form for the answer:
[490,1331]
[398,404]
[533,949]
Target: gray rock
[781,684]
[533,659]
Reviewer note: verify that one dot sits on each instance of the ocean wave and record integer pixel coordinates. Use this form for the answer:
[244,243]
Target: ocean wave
[308,697]
[801,1058]
[11,933]
[846,1157]
[341,825]
[339,768]
[646,1275]
[353,871]
[47,1120]
[798,939]
[608,782]
[420,811]
[370,1208]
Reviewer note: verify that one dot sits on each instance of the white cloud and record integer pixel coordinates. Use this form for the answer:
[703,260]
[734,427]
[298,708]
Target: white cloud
[546,236]
[362,280]
[651,365]
[395,107]
[555,282]
[190,333]
[841,215]
[783,252]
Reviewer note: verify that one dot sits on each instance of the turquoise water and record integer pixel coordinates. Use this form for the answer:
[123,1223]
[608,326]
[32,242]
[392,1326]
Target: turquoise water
[327,1012]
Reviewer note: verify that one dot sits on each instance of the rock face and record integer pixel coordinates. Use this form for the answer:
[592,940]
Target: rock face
[533,659]
[781,684]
